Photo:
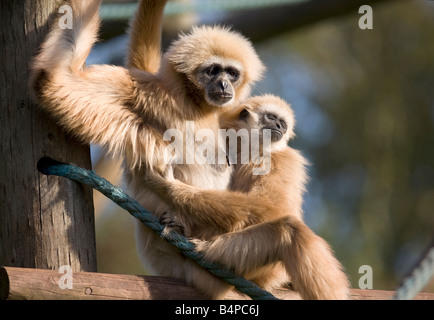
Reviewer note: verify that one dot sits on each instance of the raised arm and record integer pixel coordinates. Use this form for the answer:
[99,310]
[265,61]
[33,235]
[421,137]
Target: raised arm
[145,36]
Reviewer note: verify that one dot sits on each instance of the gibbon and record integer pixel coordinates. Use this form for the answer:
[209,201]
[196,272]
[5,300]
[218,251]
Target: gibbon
[257,229]
[128,110]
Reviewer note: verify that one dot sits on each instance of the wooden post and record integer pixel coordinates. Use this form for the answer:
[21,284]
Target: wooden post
[45,222]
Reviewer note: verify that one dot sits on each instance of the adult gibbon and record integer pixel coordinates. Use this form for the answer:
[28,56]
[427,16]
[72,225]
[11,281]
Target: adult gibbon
[257,229]
[128,110]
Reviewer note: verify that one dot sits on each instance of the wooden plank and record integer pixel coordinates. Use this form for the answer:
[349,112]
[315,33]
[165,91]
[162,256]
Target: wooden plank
[45,222]
[36,284]
[359,294]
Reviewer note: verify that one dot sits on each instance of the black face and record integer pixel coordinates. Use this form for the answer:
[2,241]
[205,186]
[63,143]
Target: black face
[276,124]
[268,120]
[220,82]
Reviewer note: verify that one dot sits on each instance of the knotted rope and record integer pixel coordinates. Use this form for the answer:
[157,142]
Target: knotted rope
[51,167]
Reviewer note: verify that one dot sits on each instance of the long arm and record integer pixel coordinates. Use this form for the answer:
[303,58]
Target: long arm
[260,198]
[227,210]
[96,103]
[145,36]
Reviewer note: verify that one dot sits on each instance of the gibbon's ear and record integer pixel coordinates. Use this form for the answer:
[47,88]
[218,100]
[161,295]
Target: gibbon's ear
[244,115]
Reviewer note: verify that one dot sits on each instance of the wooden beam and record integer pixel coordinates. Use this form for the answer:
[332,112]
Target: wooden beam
[264,23]
[261,24]
[36,284]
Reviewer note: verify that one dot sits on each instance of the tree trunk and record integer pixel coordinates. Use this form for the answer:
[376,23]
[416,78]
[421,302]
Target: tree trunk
[45,222]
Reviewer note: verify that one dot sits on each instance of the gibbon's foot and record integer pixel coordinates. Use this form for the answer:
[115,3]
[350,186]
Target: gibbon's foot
[168,219]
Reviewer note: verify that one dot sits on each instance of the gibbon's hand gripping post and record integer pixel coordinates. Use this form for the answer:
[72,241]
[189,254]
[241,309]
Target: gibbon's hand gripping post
[49,166]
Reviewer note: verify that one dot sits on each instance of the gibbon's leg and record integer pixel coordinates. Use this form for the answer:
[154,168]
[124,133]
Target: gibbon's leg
[212,286]
[309,261]
[145,36]
[66,50]
[93,103]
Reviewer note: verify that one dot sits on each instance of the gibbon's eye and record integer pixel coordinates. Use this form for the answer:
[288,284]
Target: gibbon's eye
[270,117]
[213,70]
[233,74]
[244,115]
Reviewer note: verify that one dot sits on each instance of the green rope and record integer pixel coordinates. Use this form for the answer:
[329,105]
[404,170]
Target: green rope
[418,278]
[51,167]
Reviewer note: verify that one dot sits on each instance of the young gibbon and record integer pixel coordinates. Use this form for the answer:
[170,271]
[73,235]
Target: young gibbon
[256,229]
[128,110]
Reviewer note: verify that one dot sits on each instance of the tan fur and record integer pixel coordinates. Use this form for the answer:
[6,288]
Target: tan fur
[145,36]
[257,229]
[127,110]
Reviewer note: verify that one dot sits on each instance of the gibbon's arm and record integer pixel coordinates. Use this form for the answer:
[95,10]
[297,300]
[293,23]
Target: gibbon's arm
[264,198]
[229,210]
[145,36]
[307,258]
[96,103]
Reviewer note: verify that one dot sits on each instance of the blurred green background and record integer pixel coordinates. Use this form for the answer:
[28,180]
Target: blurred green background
[364,105]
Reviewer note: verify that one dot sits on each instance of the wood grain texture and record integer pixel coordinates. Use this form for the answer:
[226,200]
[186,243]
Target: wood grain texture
[34,284]
[45,222]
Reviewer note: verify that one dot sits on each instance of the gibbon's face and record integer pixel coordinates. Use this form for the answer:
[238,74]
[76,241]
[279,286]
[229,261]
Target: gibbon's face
[219,80]
[267,120]
[221,64]
[277,125]
[270,113]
